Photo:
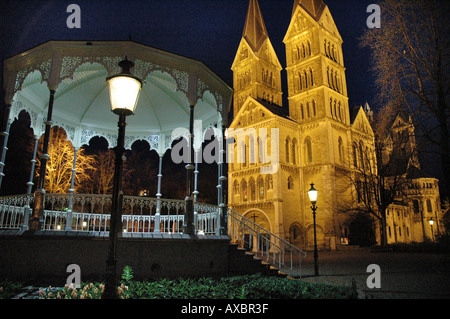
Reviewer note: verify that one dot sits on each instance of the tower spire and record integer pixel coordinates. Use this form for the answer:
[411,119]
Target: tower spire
[255,31]
[314,7]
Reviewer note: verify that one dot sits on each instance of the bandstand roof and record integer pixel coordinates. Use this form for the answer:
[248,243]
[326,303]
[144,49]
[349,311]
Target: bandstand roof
[77,71]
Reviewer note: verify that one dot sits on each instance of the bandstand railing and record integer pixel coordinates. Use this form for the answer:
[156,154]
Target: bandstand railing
[81,212]
[13,210]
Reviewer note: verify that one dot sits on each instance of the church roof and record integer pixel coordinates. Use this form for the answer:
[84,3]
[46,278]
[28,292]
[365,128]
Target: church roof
[414,172]
[313,7]
[255,31]
[275,109]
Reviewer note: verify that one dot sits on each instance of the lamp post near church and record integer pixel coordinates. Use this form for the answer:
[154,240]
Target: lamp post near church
[431,221]
[313,193]
[124,91]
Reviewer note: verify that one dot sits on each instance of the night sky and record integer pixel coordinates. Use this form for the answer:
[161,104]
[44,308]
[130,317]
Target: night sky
[206,30]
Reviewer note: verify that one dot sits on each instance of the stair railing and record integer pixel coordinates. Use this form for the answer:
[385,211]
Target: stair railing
[264,244]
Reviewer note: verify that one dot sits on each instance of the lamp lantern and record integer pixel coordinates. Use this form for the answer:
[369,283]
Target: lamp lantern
[124,90]
[313,193]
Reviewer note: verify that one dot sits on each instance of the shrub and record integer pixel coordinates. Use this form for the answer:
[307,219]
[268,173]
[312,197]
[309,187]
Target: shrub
[240,287]
[9,289]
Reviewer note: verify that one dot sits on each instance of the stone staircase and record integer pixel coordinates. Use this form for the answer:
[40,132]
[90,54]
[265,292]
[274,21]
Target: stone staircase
[275,256]
[243,262]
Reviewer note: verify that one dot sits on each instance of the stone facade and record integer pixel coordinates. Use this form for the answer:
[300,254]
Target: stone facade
[316,137]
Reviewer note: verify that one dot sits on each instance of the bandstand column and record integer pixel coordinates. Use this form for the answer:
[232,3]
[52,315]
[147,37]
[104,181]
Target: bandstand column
[5,134]
[38,209]
[188,224]
[196,172]
[157,229]
[30,184]
[72,190]
[33,165]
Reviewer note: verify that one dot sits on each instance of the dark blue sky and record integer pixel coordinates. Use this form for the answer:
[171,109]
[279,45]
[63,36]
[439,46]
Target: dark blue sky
[206,30]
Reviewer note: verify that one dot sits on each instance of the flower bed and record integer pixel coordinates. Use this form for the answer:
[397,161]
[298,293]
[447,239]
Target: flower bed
[242,287]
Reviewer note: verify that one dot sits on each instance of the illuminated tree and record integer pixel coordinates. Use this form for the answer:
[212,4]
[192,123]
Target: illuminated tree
[60,164]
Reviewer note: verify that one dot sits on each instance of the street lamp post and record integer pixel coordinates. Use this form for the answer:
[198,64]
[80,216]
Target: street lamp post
[124,91]
[431,221]
[312,193]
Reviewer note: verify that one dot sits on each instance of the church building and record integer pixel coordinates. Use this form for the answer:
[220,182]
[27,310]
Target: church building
[316,136]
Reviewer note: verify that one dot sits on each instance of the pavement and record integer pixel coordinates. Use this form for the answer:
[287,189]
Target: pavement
[402,275]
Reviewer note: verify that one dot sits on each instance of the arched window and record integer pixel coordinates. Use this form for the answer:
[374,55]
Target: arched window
[308,150]
[331,107]
[287,149]
[328,76]
[361,154]
[429,206]
[355,155]
[303,50]
[341,150]
[252,189]
[308,110]
[261,188]
[252,150]
[302,109]
[290,183]
[309,48]
[294,151]
[336,81]
[333,85]
[312,77]
[244,190]
[314,108]
[335,111]
[243,153]
[300,81]
[269,182]
[306,79]
[235,158]
[236,187]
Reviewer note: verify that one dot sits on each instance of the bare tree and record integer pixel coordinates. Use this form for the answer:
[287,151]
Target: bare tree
[104,174]
[410,56]
[379,174]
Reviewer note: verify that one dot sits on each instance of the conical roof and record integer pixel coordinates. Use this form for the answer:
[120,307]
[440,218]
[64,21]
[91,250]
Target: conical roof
[314,7]
[255,31]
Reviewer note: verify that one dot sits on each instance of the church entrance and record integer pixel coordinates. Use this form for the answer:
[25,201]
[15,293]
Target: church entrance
[297,236]
[257,238]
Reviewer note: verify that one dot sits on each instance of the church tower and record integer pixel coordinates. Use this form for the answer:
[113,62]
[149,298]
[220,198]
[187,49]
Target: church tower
[318,102]
[315,66]
[256,68]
